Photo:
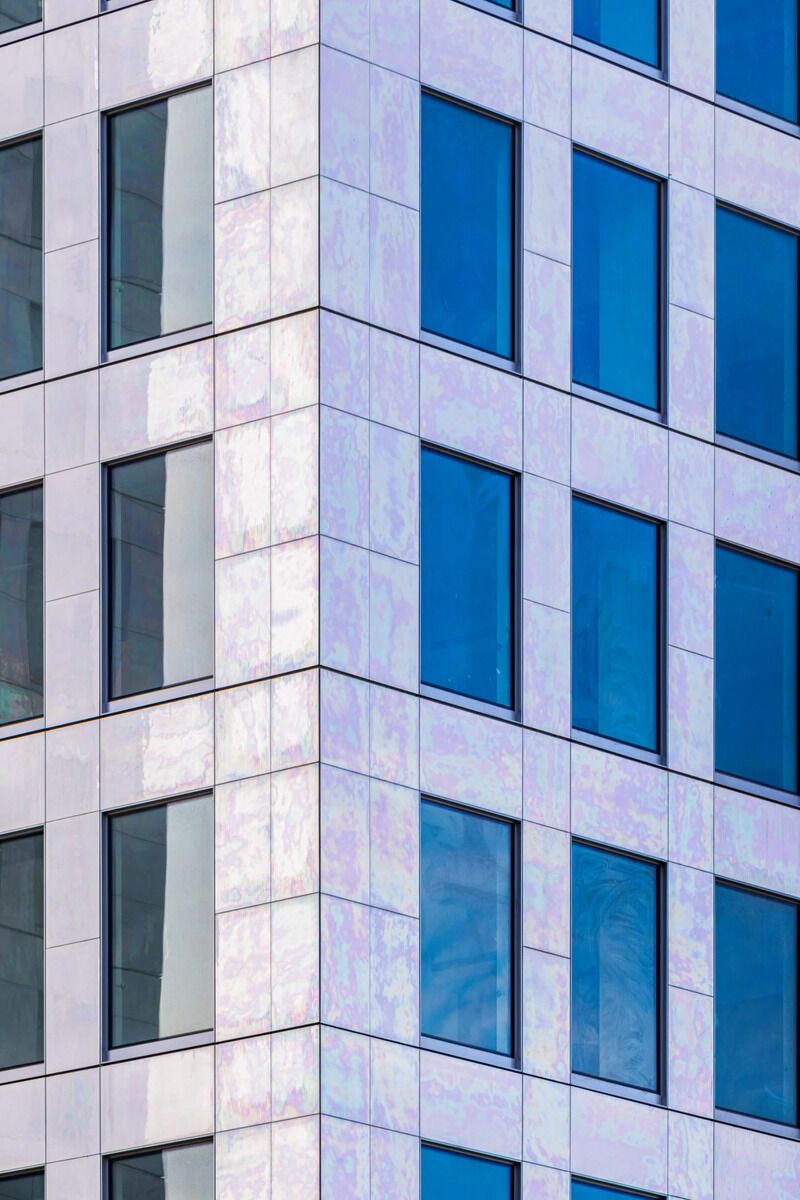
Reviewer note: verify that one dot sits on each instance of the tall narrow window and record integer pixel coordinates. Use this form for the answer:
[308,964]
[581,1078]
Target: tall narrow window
[616,281]
[22,1187]
[630,27]
[21,605]
[468,218]
[468,578]
[467,928]
[161,921]
[756,711]
[160,214]
[179,1173]
[21,953]
[449,1174]
[757,54]
[161,558]
[756,997]
[20,257]
[616,625]
[756,332]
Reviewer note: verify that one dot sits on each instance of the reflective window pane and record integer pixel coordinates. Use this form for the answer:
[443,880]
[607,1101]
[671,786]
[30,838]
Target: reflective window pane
[467,928]
[20,257]
[161,888]
[615,281]
[467,578]
[161,552]
[595,1191]
[756,670]
[21,605]
[756,1005]
[757,54]
[160,203]
[21,952]
[22,1187]
[181,1173]
[629,27]
[756,332]
[615,624]
[467,216]
[13,15]
[447,1175]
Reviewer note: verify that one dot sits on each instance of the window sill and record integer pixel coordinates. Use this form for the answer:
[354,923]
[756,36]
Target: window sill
[757,114]
[185,1041]
[15,1074]
[17,728]
[782,461]
[653,415]
[619,59]
[735,784]
[16,382]
[457,700]
[159,695]
[757,1124]
[152,345]
[514,15]
[510,365]
[624,1091]
[508,1062]
[598,742]
[24,31]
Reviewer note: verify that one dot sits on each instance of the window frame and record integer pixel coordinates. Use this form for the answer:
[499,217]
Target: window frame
[516,14]
[35,1069]
[660,71]
[161,1148]
[24,1172]
[516,1166]
[10,383]
[743,109]
[32,724]
[613,1187]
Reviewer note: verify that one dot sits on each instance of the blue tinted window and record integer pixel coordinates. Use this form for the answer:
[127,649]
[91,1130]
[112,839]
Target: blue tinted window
[756,669]
[757,54]
[467,578]
[614,967]
[615,624]
[594,1191]
[756,1005]
[20,257]
[630,27]
[467,927]
[467,217]
[450,1176]
[756,332]
[615,281]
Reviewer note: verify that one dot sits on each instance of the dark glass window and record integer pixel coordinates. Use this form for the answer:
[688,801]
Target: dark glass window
[468,238]
[160,211]
[615,624]
[161,921]
[22,1187]
[180,1173]
[20,257]
[757,54]
[467,578]
[756,332]
[595,1191]
[13,15]
[21,953]
[756,670]
[615,972]
[467,928]
[21,605]
[756,1005]
[631,27]
[161,569]
[616,280]
[448,1175]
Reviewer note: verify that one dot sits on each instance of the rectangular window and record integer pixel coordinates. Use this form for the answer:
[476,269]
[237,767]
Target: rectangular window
[161,569]
[20,258]
[616,624]
[21,953]
[22,1187]
[161,921]
[756,332]
[449,1174]
[468,578]
[756,1000]
[467,889]
[468,220]
[13,15]
[179,1173]
[615,967]
[630,27]
[160,218]
[757,54]
[756,709]
[21,605]
[581,1190]
[616,280]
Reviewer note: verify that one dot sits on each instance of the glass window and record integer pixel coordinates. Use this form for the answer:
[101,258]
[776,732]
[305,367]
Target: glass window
[467,578]
[160,212]
[756,1005]
[756,332]
[616,280]
[756,670]
[20,258]
[21,605]
[631,27]
[615,974]
[161,550]
[468,250]
[13,15]
[595,1191]
[181,1173]
[615,624]
[161,888]
[467,928]
[21,952]
[757,54]
[22,1187]
[446,1173]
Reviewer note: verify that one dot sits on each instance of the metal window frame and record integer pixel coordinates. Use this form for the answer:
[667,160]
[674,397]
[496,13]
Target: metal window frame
[160,1148]
[743,108]
[36,1067]
[661,69]
[31,724]
[615,1187]
[9,383]
[516,1166]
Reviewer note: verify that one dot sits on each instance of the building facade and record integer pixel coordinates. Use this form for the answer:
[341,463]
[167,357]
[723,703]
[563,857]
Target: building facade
[399,536]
